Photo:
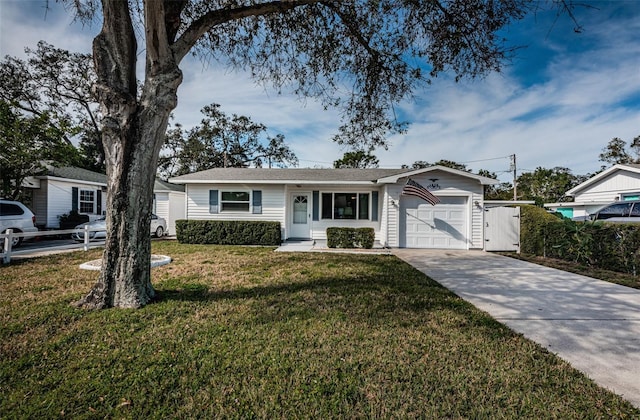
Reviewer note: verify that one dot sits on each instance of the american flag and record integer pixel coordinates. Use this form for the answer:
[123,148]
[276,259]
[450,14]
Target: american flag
[413,188]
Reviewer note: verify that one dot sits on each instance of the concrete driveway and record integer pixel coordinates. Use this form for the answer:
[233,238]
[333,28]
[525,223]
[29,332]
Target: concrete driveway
[592,324]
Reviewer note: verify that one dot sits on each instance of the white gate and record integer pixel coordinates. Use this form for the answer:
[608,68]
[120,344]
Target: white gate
[502,229]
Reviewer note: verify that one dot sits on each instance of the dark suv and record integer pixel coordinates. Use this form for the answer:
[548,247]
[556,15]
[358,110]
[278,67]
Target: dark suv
[620,212]
[15,215]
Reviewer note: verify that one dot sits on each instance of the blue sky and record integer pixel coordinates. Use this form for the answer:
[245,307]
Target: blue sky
[557,103]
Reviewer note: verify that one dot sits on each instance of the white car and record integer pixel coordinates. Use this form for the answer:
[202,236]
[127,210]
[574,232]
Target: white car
[98,229]
[15,215]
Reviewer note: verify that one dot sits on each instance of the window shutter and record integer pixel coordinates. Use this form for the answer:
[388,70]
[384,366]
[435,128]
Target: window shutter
[74,198]
[98,202]
[316,205]
[213,201]
[374,206]
[257,202]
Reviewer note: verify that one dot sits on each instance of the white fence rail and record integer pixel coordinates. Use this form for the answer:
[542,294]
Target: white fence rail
[6,239]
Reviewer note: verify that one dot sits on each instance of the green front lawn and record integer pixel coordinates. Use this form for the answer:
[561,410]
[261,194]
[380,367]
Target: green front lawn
[247,332]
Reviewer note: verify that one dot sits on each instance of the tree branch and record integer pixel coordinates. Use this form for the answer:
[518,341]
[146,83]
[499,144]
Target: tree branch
[115,48]
[353,29]
[217,17]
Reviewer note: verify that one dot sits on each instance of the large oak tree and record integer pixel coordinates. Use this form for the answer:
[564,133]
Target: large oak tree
[362,56]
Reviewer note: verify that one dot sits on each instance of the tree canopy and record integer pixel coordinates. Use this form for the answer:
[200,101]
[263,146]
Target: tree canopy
[57,83]
[27,144]
[222,141]
[379,51]
[546,185]
[617,151]
[357,159]
[418,164]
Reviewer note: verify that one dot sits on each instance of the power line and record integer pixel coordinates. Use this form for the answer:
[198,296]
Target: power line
[484,160]
[464,162]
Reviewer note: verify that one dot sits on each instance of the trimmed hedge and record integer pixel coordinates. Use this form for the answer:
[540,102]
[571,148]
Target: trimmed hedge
[533,228]
[612,246]
[344,237]
[228,232]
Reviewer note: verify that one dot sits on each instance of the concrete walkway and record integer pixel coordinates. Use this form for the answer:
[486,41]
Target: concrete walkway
[318,245]
[592,324]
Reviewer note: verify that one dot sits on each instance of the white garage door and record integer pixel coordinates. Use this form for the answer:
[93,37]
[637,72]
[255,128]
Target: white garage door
[441,226]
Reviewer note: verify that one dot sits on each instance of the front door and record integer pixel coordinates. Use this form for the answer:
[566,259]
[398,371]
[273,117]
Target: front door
[300,216]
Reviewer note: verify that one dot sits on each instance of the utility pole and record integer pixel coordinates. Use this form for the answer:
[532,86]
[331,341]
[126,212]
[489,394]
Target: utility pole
[513,168]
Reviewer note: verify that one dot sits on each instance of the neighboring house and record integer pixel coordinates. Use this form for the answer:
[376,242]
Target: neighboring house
[308,201]
[61,190]
[169,202]
[618,183]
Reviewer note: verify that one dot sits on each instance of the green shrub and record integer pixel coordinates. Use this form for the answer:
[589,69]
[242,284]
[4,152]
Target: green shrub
[344,237]
[613,246]
[72,219]
[228,232]
[365,237]
[533,228]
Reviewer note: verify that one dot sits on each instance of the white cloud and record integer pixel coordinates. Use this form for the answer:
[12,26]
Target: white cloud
[25,22]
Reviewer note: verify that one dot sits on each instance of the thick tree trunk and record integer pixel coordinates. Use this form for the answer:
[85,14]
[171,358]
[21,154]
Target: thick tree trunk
[133,133]
[125,279]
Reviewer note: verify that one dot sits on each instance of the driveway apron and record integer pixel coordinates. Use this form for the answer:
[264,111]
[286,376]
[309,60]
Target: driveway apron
[592,324]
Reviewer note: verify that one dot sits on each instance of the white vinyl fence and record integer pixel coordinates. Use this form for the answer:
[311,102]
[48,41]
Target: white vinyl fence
[6,239]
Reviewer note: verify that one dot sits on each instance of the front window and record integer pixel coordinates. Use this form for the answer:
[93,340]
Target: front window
[87,201]
[235,201]
[345,206]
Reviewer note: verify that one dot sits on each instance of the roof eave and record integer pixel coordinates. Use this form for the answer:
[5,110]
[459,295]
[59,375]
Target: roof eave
[79,181]
[394,178]
[601,175]
[270,182]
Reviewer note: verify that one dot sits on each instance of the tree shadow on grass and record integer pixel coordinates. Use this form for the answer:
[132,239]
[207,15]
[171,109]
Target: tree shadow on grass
[370,298]
[351,286]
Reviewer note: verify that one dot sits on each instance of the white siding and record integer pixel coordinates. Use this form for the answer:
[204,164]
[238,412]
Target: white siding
[610,188]
[176,210]
[59,199]
[273,202]
[276,205]
[171,206]
[477,220]
[161,206]
[392,216]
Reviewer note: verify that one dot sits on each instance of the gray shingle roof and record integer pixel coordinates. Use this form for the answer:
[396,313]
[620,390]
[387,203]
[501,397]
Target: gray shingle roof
[161,185]
[287,175]
[71,172]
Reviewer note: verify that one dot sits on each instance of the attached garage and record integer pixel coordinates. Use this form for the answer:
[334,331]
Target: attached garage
[444,226]
[456,222]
